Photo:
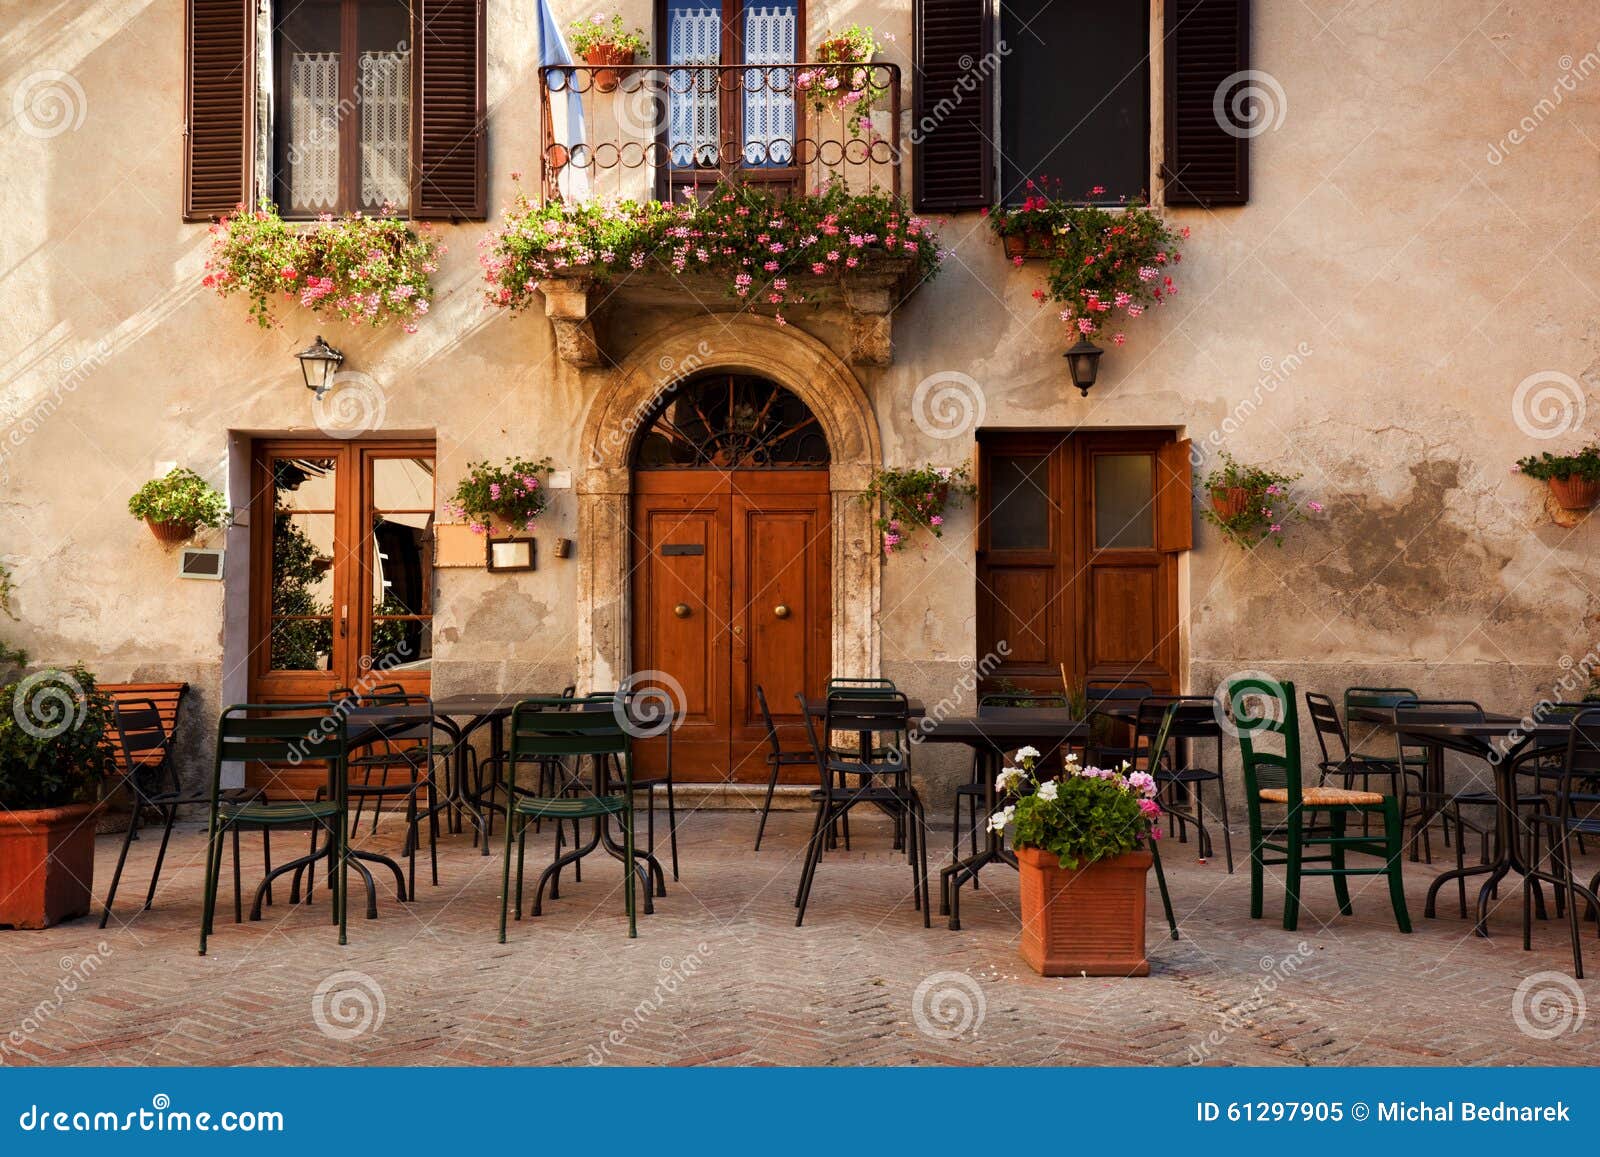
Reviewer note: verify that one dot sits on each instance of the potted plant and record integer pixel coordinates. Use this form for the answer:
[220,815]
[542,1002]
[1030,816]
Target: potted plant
[841,78]
[177,505]
[1030,229]
[1080,843]
[602,41]
[913,499]
[53,755]
[1250,503]
[1574,479]
[511,495]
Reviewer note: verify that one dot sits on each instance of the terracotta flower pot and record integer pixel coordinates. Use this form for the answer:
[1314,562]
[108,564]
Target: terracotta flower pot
[1230,501]
[171,532]
[1087,920]
[1016,245]
[1574,493]
[606,79]
[47,863]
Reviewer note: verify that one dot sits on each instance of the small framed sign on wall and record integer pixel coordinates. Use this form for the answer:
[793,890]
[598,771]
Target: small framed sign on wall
[195,563]
[511,554]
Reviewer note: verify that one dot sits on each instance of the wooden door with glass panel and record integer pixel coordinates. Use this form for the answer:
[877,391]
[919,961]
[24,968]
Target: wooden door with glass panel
[342,571]
[1077,562]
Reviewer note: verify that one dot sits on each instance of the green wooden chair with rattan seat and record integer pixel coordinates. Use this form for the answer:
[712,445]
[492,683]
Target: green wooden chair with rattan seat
[551,728]
[1314,817]
[295,733]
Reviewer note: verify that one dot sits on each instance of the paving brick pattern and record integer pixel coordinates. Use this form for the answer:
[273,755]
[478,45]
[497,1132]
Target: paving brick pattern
[720,975]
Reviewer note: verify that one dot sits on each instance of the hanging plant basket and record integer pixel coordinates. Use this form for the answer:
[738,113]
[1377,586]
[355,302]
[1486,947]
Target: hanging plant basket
[171,533]
[1575,493]
[1230,501]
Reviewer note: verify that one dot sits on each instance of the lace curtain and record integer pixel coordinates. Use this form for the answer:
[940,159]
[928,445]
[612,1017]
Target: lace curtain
[314,120]
[384,98]
[692,120]
[769,92]
[385,94]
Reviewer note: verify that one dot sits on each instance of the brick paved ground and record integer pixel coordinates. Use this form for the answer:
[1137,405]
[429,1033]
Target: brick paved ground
[721,976]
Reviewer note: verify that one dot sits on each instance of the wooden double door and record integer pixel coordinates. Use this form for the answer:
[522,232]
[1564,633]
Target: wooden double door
[1078,541]
[730,591]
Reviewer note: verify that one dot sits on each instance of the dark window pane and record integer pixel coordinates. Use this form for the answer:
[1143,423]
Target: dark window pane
[302,644]
[308,58]
[302,564]
[1124,511]
[1020,508]
[1075,97]
[383,92]
[402,564]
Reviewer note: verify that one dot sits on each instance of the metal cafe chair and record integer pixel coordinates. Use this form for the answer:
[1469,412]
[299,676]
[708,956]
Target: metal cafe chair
[777,760]
[1113,705]
[1153,754]
[302,733]
[839,746]
[544,729]
[146,748]
[1315,817]
[885,783]
[1165,728]
[974,792]
[1573,812]
[1341,761]
[1379,702]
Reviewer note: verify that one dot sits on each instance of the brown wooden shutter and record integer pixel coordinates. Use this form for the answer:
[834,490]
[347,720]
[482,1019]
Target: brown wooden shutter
[1207,41]
[953,132]
[1175,496]
[218,106]
[449,172]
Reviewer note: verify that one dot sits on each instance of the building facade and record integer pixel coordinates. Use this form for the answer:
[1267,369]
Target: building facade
[1389,288]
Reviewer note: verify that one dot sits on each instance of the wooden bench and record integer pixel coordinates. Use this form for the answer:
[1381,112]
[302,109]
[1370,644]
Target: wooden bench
[166,696]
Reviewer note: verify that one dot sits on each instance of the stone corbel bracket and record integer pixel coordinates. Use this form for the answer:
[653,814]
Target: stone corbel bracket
[870,295]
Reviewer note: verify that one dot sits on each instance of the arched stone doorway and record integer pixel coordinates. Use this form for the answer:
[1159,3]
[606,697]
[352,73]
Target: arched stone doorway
[746,345]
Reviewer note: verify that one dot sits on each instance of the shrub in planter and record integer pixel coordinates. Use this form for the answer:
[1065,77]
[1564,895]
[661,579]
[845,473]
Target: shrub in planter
[1029,229]
[178,504]
[1574,479]
[1081,851]
[366,270]
[1250,504]
[512,494]
[52,759]
[842,79]
[913,499]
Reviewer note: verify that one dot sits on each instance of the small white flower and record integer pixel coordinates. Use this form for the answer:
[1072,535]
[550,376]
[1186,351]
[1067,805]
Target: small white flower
[1008,779]
[1026,753]
[1049,790]
[1070,757]
[1001,818]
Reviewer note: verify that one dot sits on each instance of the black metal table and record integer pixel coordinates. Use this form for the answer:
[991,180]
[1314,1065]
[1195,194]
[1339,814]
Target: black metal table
[488,709]
[1498,739]
[992,734]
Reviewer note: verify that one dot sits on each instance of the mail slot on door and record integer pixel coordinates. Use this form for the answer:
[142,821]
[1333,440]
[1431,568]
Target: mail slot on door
[676,548]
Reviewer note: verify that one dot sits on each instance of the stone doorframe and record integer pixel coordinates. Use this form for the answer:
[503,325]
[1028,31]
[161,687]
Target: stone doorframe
[742,344]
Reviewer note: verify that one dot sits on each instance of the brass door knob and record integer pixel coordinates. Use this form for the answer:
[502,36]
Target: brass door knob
[681,610]
[781,611]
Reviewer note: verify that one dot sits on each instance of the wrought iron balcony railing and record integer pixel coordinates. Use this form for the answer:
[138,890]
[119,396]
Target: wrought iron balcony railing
[654,130]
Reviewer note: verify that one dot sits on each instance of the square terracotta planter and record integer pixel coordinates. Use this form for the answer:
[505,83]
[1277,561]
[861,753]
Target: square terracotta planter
[1085,921]
[47,864]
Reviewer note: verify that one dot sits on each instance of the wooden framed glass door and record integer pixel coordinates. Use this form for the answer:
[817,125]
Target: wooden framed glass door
[1078,540]
[341,583]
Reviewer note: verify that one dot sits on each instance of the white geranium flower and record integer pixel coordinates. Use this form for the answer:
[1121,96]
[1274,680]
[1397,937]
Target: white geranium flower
[1009,779]
[1026,753]
[1049,790]
[1001,818]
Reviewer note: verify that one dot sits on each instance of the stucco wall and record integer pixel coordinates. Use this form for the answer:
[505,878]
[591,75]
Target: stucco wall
[1403,265]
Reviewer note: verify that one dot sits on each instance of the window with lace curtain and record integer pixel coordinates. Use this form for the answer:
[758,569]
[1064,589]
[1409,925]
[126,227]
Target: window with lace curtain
[755,110]
[342,81]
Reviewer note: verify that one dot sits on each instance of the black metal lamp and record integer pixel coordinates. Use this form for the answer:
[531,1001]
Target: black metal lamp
[1083,360]
[319,361]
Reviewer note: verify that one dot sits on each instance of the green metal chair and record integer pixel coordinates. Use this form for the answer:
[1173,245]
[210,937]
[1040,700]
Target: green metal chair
[553,728]
[296,733]
[1262,706]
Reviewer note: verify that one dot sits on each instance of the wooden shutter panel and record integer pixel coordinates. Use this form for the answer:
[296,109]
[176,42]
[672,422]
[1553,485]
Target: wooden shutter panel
[449,172]
[1207,41]
[952,99]
[1175,496]
[218,106]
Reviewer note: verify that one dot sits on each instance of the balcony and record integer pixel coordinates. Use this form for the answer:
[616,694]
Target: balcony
[666,131]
